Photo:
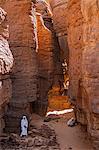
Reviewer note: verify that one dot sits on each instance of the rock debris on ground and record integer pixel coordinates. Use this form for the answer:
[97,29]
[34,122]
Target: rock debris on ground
[38,139]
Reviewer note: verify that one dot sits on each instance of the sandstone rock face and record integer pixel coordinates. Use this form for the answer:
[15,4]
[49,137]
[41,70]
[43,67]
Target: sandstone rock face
[83,41]
[59,9]
[6,63]
[32,40]
[43,8]
[79,19]
[24,73]
[48,54]
[45,60]
[37,64]
[90,65]
[6,58]
[75,42]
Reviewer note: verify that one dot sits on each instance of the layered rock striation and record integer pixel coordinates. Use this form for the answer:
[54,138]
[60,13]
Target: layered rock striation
[83,43]
[38,52]
[90,67]
[80,19]
[24,73]
[32,40]
[59,10]
[49,63]
[6,63]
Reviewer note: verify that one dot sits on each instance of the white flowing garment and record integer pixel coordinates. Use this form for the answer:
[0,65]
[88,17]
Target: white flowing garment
[24,126]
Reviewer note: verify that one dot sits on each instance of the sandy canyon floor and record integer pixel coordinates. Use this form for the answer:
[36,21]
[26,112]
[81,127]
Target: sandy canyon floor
[51,135]
[69,138]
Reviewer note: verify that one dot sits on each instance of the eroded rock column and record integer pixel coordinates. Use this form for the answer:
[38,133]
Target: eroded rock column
[6,62]
[24,75]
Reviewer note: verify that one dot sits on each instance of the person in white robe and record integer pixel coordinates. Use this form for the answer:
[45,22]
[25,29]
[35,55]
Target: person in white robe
[24,126]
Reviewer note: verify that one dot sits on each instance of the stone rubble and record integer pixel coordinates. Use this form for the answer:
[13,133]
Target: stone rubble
[38,139]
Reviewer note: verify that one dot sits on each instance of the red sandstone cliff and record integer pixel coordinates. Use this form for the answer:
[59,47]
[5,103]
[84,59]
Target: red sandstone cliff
[34,46]
[21,18]
[90,65]
[49,64]
[37,56]
[81,19]
[6,62]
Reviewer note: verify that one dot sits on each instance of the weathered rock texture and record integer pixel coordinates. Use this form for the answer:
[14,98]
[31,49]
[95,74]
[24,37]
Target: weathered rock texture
[75,42]
[24,75]
[80,19]
[37,64]
[90,66]
[36,53]
[49,64]
[45,61]
[6,62]
[83,44]
[59,9]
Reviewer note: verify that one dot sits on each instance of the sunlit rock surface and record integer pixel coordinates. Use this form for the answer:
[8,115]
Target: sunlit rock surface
[83,41]
[48,55]
[80,19]
[36,54]
[83,37]
[21,18]
[38,57]
[6,63]
[6,58]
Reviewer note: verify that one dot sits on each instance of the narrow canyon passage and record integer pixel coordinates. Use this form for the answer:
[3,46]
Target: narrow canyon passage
[69,138]
[49,63]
